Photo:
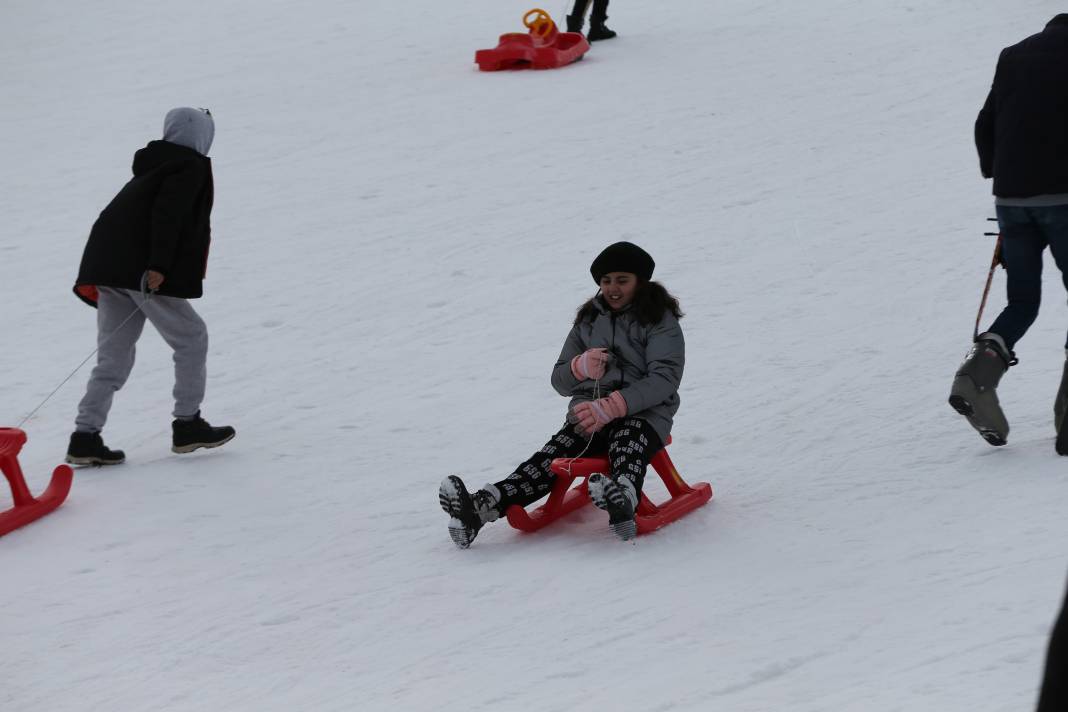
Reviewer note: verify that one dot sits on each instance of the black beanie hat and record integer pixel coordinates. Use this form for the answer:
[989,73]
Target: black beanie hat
[623,257]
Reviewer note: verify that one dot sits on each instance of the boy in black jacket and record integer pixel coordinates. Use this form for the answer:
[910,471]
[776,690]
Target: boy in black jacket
[146,256]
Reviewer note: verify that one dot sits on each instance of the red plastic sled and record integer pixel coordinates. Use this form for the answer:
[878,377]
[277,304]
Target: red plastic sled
[563,500]
[27,508]
[544,47]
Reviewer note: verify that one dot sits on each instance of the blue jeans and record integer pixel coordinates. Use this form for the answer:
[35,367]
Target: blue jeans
[1025,232]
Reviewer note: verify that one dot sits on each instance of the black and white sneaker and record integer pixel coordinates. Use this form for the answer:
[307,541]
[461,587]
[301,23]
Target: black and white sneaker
[618,498]
[89,449]
[190,435]
[468,512]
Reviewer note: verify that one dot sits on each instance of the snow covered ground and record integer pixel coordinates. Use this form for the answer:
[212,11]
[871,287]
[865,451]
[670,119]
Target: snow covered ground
[400,243]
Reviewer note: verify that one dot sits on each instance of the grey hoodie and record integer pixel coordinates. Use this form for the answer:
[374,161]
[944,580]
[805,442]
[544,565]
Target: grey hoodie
[192,128]
[646,368]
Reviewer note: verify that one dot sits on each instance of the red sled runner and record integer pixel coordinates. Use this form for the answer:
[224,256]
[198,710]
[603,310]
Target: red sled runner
[27,508]
[545,47]
[649,517]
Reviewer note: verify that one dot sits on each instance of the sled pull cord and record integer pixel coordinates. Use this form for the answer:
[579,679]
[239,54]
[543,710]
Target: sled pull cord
[570,460]
[147,295]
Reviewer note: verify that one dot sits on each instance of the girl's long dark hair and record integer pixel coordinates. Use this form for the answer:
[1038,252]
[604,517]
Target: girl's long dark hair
[651,301]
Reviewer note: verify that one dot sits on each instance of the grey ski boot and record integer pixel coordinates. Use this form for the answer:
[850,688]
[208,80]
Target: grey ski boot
[1060,407]
[974,393]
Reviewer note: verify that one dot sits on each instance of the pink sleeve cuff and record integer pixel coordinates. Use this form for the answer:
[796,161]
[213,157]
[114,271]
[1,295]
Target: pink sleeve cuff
[617,405]
[575,368]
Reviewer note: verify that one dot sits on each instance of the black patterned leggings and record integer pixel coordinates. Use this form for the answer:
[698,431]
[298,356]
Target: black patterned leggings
[629,442]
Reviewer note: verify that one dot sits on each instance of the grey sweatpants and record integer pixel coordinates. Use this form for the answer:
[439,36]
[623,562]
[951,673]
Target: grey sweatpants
[179,325]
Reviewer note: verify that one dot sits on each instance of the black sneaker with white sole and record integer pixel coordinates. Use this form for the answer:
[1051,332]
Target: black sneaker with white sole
[469,512]
[89,449]
[618,498]
[190,435]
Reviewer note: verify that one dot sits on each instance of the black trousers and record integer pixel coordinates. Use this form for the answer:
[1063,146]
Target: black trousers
[1054,697]
[629,442]
[599,13]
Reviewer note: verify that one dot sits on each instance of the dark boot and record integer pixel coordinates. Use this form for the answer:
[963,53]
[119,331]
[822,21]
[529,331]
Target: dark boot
[1060,407]
[574,23]
[598,30]
[468,512]
[974,393]
[598,16]
[89,449]
[190,435]
[619,499]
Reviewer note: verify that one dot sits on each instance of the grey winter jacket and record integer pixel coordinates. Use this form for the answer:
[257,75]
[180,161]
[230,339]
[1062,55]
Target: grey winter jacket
[646,365]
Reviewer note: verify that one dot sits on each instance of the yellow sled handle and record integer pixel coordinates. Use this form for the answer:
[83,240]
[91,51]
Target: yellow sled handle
[539,22]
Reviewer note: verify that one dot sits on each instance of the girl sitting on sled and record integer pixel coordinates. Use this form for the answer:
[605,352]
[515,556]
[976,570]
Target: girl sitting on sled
[621,366]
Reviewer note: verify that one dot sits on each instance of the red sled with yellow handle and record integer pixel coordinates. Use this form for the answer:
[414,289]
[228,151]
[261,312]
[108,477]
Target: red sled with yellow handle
[544,47]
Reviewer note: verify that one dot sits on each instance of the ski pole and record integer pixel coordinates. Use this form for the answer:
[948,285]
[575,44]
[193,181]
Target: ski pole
[989,278]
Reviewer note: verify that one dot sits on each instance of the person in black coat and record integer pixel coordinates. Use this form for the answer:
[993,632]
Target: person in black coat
[1021,135]
[146,256]
[1021,132]
[1054,695]
[169,202]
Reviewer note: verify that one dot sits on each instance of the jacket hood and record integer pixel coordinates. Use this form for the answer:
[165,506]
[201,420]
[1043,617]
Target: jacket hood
[192,128]
[156,153]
